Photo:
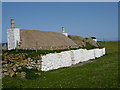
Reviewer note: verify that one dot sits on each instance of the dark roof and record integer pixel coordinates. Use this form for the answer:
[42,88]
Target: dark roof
[4,46]
[93,37]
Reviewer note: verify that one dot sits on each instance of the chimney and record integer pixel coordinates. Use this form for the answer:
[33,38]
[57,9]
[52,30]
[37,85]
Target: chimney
[63,30]
[12,24]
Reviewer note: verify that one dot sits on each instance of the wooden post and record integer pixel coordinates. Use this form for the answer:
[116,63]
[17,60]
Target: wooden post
[36,46]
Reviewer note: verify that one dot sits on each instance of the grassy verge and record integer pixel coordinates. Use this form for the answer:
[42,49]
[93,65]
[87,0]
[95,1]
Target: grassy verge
[103,73]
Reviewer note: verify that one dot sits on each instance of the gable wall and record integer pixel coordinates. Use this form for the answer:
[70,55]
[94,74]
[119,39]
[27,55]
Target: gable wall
[13,36]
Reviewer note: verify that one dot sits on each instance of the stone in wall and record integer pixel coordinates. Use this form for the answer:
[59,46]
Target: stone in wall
[13,62]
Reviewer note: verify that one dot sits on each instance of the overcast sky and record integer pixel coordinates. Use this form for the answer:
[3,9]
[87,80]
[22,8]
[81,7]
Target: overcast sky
[86,19]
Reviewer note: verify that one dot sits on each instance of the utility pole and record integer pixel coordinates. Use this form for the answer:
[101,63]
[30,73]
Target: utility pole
[103,41]
[36,46]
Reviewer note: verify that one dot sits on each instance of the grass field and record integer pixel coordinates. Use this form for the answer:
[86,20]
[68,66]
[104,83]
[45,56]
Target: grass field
[103,73]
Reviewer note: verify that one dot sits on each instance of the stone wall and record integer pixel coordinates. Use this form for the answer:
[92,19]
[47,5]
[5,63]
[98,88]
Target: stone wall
[68,58]
[11,63]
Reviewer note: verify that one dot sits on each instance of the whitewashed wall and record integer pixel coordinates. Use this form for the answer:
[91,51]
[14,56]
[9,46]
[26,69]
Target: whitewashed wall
[13,35]
[64,59]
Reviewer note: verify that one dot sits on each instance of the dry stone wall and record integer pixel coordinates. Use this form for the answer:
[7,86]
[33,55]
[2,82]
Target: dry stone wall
[13,62]
[68,58]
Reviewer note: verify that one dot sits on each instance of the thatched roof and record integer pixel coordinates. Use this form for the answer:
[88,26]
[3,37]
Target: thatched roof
[82,41]
[92,42]
[34,39]
[78,40]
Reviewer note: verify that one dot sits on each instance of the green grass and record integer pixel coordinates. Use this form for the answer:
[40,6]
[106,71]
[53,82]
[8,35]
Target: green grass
[103,73]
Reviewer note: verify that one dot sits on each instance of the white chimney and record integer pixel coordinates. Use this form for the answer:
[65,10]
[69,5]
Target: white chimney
[63,31]
[12,24]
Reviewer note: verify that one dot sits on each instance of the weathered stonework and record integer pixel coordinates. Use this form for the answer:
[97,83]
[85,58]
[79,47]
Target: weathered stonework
[14,62]
[68,58]
[47,62]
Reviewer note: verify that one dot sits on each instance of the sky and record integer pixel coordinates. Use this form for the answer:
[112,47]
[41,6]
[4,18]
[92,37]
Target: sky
[86,19]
